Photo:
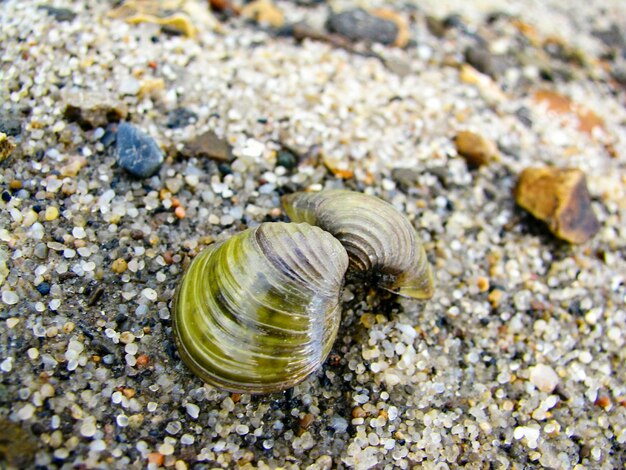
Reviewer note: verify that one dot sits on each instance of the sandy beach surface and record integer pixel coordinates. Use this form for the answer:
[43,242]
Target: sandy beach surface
[437,107]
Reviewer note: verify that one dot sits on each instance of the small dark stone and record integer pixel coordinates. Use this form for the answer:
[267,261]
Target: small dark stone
[286,159]
[44,288]
[309,3]
[10,126]
[436,26]
[37,208]
[453,20]
[180,117]
[224,169]
[358,25]
[405,178]
[59,14]
[6,196]
[209,145]
[524,115]
[136,234]
[137,152]
[613,37]
[486,62]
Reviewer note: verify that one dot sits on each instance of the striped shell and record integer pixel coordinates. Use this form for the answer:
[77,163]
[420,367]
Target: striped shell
[379,239]
[259,312]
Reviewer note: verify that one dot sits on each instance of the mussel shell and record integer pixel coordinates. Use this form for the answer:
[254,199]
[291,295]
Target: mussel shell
[260,312]
[379,239]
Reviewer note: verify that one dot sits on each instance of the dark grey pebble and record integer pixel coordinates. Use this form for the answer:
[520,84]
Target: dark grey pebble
[59,14]
[10,126]
[613,37]
[524,115]
[137,152]
[286,159]
[180,117]
[405,178]
[486,62]
[43,288]
[359,25]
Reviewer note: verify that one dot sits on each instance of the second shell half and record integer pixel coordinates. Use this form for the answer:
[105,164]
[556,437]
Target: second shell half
[379,239]
[260,312]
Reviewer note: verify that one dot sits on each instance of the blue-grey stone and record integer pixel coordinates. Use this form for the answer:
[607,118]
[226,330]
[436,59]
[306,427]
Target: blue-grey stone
[137,152]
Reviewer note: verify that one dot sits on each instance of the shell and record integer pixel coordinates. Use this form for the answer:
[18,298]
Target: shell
[379,239]
[259,312]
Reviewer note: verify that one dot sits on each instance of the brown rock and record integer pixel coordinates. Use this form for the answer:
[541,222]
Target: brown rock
[209,145]
[476,150]
[560,198]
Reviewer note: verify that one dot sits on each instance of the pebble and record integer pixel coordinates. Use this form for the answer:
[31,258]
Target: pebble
[544,378]
[560,198]
[119,265]
[59,14]
[10,126]
[475,149]
[286,159]
[10,297]
[180,117]
[193,410]
[485,62]
[613,37]
[166,449]
[52,213]
[43,288]
[209,145]
[41,250]
[359,25]
[137,152]
[26,412]
[88,428]
[339,423]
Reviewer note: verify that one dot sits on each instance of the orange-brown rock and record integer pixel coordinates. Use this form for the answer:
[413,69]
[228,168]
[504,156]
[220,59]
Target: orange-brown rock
[560,198]
[476,149]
